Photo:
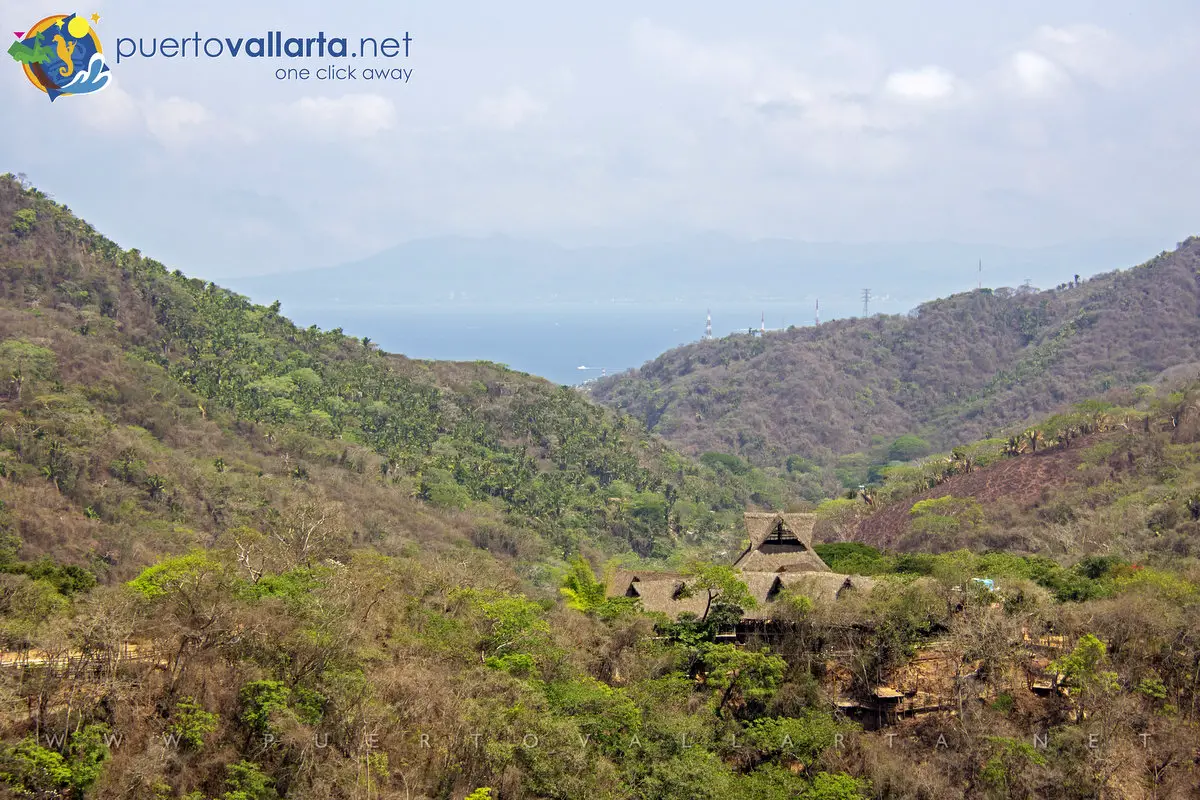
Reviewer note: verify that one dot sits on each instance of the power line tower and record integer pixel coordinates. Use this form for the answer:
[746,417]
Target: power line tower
[866,296]
[818,311]
[708,326]
[980,286]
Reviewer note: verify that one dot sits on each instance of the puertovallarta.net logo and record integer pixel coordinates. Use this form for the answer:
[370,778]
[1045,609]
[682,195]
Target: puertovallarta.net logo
[61,55]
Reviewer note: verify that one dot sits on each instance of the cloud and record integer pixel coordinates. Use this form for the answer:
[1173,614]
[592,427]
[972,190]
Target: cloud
[1032,74]
[111,111]
[510,109]
[351,116]
[920,85]
[1089,52]
[176,122]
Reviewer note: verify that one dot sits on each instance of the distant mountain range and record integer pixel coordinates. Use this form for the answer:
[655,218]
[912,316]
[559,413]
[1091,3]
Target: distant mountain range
[500,272]
[952,370]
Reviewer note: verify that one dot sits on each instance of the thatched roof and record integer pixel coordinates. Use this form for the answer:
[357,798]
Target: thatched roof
[780,556]
[820,587]
[780,543]
[761,524]
[824,587]
[665,597]
[623,580]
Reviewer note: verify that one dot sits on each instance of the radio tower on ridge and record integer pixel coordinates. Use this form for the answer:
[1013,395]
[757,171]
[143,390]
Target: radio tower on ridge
[818,311]
[708,326]
[866,295]
[762,323]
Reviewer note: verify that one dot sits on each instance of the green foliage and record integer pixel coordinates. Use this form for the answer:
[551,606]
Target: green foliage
[23,362]
[717,581]
[605,715]
[1084,668]
[1152,687]
[908,448]
[245,781]
[693,774]
[510,624]
[66,579]
[261,701]
[483,793]
[1008,756]
[581,588]
[803,738]
[191,723]
[854,558]
[173,574]
[36,771]
[839,786]
[23,221]
[725,461]
[741,679]
[946,515]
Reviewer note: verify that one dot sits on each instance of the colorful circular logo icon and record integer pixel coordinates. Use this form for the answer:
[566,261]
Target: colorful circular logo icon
[61,55]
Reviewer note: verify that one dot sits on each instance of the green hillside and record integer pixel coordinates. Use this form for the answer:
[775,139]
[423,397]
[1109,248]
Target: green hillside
[241,560]
[952,370]
[124,362]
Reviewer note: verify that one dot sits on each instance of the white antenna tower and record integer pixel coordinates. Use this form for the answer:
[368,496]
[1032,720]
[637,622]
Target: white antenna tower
[708,326]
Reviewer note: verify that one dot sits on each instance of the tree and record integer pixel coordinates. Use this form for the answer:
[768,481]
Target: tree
[23,221]
[908,448]
[580,587]
[21,361]
[1085,672]
[741,676]
[309,533]
[717,581]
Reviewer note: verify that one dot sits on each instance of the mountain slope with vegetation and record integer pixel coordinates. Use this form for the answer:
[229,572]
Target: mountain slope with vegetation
[146,347]
[950,371]
[244,561]
[241,560]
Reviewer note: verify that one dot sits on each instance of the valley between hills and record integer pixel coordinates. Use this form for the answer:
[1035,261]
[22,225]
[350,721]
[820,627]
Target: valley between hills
[245,560]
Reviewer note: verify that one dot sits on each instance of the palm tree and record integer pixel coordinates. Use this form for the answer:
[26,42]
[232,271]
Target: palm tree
[156,485]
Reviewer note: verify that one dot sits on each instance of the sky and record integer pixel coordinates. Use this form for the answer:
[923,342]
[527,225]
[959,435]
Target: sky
[1020,123]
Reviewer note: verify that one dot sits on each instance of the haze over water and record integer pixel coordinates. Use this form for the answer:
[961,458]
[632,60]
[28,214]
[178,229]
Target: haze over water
[552,343]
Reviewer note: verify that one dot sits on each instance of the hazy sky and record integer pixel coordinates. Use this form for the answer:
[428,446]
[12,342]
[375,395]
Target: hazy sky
[1014,122]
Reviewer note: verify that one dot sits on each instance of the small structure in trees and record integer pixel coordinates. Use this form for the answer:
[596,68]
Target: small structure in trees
[779,557]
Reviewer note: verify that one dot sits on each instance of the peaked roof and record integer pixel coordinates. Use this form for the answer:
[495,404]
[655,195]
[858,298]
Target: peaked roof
[780,543]
[780,556]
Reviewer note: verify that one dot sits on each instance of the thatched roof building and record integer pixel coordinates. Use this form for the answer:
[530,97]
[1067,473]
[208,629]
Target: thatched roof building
[779,557]
[780,543]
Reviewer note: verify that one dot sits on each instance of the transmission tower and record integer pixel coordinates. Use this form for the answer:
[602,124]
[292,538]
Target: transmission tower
[818,311]
[708,326]
[866,296]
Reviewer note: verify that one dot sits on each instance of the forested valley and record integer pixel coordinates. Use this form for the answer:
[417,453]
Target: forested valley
[242,560]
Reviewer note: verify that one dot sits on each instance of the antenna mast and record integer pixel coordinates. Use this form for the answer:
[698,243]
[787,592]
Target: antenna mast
[708,326]
[866,296]
[818,311]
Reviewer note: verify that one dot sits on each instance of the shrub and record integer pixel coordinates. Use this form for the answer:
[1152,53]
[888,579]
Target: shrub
[23,221]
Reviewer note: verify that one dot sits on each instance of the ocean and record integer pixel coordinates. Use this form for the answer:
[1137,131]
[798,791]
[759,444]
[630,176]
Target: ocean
[552,343]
